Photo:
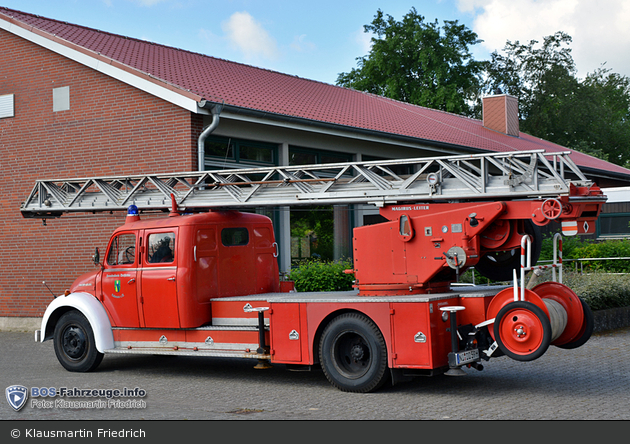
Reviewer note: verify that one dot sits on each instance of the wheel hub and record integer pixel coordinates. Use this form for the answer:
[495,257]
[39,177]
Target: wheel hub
[74,342]
[357,352]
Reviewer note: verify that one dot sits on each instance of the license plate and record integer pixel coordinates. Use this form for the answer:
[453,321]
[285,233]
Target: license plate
[465,357]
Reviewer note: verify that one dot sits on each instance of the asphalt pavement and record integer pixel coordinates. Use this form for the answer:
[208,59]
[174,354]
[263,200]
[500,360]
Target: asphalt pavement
[588,383]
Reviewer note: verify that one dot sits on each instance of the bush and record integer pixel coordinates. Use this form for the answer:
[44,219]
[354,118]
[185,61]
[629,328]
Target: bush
[597,288]
[600,290]
[609,248]
[575,247]
[317,275]
[569,245]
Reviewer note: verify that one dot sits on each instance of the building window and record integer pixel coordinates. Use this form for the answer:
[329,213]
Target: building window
[7,107]
[305,156]
[61,99]
[222,151]
[614,224]
[320,232]
[399,170]
[248,152]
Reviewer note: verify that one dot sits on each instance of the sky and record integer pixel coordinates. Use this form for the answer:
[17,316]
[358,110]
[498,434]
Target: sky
[318,40]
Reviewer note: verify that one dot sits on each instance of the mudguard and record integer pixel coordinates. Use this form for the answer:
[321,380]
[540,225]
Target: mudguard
[91,308]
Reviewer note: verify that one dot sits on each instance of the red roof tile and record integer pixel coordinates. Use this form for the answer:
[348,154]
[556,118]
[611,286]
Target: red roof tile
[258,89]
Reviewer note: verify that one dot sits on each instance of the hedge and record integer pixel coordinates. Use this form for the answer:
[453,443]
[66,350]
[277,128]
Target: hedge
[575,248]
[318,275]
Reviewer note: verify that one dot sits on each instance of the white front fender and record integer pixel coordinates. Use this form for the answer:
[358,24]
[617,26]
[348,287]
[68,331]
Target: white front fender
[90,307]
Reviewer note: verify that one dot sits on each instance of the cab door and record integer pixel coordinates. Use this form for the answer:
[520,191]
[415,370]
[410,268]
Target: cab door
[118,282]
[158,279]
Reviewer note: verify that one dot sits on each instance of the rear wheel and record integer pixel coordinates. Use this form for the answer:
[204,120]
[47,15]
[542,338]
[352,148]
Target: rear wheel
[353,354]
[75,346]
[522,331]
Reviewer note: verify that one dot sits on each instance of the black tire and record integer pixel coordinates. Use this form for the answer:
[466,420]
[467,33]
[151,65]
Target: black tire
[353,354]
[498,265]
[535,340]
[74,342]
[585,332]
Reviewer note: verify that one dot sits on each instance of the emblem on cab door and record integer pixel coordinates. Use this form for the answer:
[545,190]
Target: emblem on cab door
[116,294]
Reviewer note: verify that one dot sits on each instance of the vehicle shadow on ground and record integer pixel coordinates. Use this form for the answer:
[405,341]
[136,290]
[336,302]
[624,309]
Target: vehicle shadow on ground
[506,377]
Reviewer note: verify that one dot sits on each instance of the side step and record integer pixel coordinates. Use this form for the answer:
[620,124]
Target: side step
[187,352]
[216,341]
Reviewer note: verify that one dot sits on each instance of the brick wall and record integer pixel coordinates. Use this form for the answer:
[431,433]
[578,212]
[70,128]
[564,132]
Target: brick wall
[111,128]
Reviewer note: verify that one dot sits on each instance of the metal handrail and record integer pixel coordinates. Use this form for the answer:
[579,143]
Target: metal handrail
[587,259]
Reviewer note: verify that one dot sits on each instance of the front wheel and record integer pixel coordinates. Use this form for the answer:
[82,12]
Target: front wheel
[353,354]
[75,346]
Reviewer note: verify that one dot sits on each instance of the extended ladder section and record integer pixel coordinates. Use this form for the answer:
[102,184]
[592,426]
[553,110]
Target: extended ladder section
[505,176]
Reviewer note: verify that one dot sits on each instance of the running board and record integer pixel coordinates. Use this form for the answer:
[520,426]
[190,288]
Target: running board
[219,341]
[187,352]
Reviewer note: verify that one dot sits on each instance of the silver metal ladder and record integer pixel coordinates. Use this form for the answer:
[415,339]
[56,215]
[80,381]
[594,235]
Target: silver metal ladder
[505,176]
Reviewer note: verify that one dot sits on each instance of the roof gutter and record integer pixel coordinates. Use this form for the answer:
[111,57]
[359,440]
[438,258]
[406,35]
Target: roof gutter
[215,109]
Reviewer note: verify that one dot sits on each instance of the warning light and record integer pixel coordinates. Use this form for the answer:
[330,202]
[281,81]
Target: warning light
[132,214]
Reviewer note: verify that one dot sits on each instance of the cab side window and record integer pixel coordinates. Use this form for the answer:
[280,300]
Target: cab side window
[161,248]
[122,250]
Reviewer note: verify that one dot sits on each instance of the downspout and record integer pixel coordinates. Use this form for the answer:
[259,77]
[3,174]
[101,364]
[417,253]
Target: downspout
[215,109]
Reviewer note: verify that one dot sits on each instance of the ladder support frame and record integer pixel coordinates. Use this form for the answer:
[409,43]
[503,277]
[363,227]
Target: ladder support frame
[496,176]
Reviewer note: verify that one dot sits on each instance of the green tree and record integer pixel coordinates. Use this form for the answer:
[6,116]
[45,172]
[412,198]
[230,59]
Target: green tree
[602,127]
[589,115]
[539,77]
[419,62]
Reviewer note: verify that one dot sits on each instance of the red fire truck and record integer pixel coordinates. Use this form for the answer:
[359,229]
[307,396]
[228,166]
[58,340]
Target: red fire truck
[204,279]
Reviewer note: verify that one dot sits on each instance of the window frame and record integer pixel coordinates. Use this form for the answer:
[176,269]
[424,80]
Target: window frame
[173,244]
[319,154]
[604,216]
[236,158]
[234,230]
[119,251]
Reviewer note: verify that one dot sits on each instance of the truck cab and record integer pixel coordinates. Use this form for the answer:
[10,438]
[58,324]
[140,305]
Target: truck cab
[163,273]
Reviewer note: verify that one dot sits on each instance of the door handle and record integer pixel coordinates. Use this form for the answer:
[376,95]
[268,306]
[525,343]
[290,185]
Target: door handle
[171,278]
[131,281]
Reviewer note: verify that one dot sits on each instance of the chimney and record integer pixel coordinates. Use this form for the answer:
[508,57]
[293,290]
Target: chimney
[500,113]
